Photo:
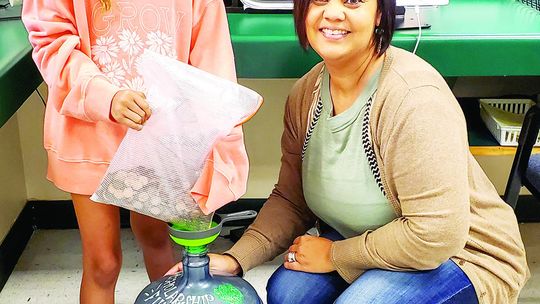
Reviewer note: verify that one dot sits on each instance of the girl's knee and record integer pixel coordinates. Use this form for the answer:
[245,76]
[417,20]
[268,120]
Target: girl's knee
[103,268]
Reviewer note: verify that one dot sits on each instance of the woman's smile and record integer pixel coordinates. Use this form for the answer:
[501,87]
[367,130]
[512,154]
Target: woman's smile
[334,33]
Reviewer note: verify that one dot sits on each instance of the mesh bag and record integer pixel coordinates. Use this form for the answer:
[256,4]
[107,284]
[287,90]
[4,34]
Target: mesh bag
[154,170]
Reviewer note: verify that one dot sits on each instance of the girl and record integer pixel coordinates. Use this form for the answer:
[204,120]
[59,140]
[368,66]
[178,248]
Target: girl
[87,53]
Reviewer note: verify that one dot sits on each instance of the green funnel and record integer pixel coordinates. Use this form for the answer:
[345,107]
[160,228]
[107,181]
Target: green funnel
[195,241]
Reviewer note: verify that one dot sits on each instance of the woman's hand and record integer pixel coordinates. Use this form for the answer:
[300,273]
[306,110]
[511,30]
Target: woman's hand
[312,253]
[130,108]
[219,264]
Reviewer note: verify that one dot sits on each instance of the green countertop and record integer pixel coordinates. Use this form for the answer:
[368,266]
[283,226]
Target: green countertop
[466,38]
[19,76]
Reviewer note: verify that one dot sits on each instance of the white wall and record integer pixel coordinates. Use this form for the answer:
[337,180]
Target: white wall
[23,160]
[262,136]
[35,159]
[12,184]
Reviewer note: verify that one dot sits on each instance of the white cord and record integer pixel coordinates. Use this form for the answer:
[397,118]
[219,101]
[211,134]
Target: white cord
[417,11]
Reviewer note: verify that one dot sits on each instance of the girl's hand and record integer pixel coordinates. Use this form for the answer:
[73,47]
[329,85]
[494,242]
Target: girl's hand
[313,254]
[129,108]
[219,264]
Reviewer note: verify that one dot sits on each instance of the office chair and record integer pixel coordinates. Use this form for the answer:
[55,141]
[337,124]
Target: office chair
[526,167]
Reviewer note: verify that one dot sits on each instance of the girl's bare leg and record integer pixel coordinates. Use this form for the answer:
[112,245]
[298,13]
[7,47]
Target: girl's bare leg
[99,226]
[153,237]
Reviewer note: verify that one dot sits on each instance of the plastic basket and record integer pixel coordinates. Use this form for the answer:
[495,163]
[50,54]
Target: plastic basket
[532,3]
[506,130]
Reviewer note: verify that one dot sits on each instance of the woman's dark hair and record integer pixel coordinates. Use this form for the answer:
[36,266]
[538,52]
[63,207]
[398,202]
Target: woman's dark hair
[387,8]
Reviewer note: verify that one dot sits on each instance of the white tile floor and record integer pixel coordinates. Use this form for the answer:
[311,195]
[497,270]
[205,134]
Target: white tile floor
[50,268]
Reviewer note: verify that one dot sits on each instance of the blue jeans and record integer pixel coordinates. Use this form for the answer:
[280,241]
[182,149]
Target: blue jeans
[447,284]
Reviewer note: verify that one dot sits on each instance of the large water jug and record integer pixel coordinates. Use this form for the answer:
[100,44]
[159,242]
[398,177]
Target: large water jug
[195,284]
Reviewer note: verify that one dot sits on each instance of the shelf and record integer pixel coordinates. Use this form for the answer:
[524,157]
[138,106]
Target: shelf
[481,141]
[496,150]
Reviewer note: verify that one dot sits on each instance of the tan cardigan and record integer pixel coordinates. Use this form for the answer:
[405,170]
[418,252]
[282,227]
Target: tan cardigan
[446,205]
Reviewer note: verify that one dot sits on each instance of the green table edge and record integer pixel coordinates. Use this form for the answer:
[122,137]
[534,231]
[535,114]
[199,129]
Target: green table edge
[265,46]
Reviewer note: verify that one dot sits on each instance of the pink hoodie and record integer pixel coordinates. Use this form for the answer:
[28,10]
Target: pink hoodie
[86,55]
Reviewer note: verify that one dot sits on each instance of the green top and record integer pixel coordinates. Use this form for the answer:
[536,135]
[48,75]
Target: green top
[337,181]
[19,76]
[466,38]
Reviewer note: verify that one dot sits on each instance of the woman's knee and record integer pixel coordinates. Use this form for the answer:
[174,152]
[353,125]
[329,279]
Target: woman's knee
[282,287]
[446,284]
[291,287]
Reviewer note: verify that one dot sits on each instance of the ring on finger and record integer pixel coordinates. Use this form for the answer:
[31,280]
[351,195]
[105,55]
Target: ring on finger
[291,257]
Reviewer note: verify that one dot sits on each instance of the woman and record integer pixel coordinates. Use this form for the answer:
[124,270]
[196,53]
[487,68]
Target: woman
[375,146]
